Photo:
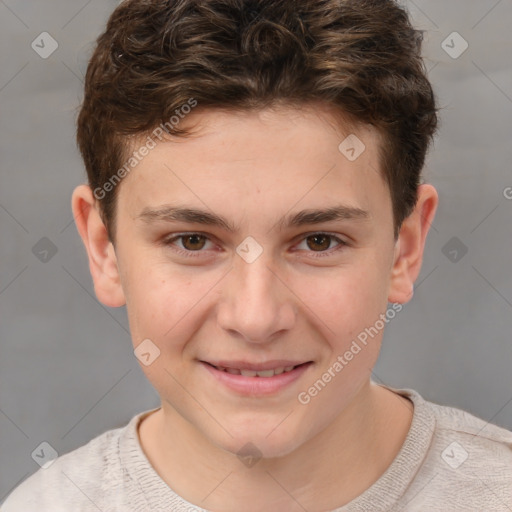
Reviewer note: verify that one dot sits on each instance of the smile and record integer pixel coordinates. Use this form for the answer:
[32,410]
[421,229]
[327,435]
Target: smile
[252,373]
[256,382]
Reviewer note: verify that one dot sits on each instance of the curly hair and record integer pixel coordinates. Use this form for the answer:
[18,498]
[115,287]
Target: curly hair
[361,58]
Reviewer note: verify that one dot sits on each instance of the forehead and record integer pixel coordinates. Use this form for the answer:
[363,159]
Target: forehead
[272,159]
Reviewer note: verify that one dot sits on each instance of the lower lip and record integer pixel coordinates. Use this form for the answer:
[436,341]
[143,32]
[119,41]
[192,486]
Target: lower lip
[257,385]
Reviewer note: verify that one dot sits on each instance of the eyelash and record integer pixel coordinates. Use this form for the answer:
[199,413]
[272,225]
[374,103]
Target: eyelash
[168,242]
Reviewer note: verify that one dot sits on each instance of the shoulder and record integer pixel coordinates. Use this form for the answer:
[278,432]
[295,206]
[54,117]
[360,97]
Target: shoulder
[468,465]
[80,478]
[477,437]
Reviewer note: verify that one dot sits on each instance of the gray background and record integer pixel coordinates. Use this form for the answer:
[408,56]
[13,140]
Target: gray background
[67,371]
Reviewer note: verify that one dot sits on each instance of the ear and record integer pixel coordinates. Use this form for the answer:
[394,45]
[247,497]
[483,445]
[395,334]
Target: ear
[101,253]
[410,244]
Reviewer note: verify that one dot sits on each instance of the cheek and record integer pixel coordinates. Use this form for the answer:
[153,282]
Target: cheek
[349,306]
[155,300]
[167,305]
[344,299]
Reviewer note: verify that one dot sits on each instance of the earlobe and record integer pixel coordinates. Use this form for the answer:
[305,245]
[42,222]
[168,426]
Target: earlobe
[410,245]
[100,251]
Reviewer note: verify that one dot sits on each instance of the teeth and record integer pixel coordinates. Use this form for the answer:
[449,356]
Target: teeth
[252,373]
[248,373]
[265,373]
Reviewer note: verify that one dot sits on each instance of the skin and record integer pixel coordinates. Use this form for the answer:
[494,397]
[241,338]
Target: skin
[254,168]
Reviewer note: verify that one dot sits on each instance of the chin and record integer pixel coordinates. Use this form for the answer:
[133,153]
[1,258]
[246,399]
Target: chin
[256,442]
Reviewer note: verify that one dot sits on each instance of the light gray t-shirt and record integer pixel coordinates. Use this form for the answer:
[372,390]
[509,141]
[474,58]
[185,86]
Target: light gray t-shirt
[451,461]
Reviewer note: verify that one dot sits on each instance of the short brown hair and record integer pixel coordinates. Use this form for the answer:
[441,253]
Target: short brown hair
[362,58]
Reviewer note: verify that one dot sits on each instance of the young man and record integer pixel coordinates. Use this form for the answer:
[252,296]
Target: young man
[254,200]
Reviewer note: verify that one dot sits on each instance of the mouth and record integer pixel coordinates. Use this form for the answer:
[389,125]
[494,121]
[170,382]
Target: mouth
[246,372]
[256,380]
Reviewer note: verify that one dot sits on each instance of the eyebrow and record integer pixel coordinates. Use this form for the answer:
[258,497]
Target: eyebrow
[168,213]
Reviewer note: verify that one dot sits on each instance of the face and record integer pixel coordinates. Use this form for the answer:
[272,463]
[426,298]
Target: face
[256,289]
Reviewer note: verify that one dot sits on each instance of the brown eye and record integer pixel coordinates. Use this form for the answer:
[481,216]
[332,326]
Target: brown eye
[193,242]
[320,241]
[188,244]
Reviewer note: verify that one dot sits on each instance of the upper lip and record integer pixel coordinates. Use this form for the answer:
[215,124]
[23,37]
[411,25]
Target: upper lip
[257,367]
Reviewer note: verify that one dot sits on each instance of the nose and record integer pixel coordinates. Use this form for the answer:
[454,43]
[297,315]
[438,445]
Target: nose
[256,301]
